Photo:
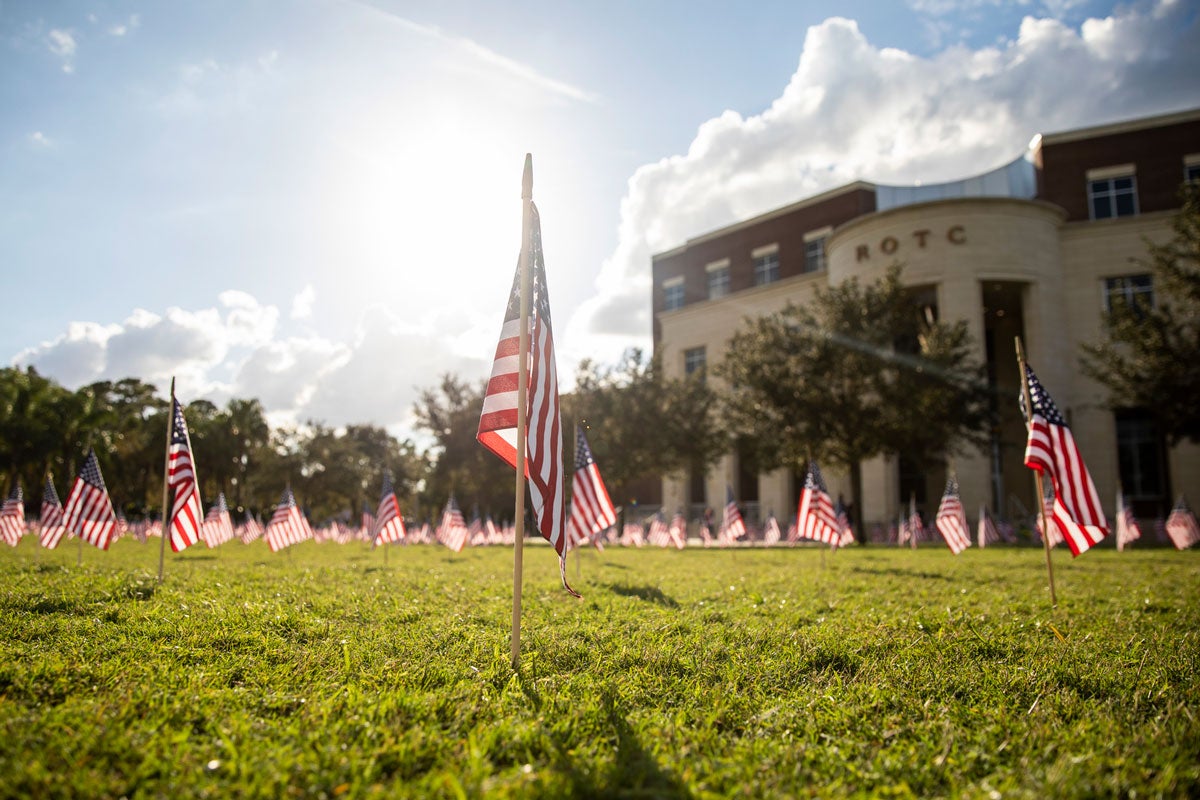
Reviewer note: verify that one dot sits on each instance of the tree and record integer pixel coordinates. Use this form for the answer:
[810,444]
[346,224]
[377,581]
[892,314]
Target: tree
[859,372]
[461,466]
[1151,357]
[641,423]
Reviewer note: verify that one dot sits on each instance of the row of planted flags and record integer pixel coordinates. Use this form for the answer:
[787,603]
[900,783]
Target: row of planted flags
[1072,510]
[89,514]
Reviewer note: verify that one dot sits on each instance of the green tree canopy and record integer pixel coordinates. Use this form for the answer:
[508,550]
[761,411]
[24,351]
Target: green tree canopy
[859,372]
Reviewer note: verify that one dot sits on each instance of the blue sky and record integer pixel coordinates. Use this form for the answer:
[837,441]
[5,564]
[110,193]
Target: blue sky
[317,203]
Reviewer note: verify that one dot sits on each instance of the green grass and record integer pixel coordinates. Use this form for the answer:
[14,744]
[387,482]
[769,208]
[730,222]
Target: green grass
[871,672]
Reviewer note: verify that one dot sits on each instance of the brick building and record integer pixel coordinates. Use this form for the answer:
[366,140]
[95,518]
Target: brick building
[1038,248]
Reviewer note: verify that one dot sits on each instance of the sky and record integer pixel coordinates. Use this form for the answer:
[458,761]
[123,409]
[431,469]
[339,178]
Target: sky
[317,203]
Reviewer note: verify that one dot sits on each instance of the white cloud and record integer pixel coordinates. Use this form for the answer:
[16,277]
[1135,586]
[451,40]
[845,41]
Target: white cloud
[853,110]
[62,44]
[210,86]
[122,28]
[236,350]
[40,140]
[302,303]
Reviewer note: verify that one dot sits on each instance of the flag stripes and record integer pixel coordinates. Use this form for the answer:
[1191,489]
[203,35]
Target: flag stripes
[186,516]
[88,512]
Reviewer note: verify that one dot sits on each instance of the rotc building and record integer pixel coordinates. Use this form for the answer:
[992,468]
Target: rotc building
[1037,248]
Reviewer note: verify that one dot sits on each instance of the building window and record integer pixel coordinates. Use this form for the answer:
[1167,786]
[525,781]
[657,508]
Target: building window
[766,264]
[1135,292]
[814,249]
[1140,455]
[718,278]
[672,294]
[693,360]
[1191,168]
[1112,192]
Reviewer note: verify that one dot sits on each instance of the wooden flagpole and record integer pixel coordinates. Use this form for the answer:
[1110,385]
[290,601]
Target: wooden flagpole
[522,398]
[1037,474]
[166,513]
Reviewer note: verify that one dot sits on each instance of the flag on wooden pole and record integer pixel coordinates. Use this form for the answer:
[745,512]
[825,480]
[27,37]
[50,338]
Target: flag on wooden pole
[288,525]
[815,516]
[733,527]
[1051,449]
[540,418]
[952,519]
[388,525]
[1182,526]
[452,530]
[1127,526]
[88,512]
[591,509]
[186,516]
[51,517]
[217,528]
[12,516]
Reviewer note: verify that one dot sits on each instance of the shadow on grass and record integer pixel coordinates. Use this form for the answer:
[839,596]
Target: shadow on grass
[634,771]
[651,594]
[901,573]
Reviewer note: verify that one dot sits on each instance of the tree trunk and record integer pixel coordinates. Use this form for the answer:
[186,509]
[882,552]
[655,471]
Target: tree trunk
[856,491]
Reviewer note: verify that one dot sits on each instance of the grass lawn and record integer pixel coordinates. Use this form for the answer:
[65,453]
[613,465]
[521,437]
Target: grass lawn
[702,673]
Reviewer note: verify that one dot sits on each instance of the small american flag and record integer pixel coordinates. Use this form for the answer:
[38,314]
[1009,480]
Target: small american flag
[678,531]
[815,516]
[771,532]
[51,518]
[1051,449]
[1182,527]
[952,519]
[733,527]
[591,509]
[250,529]
[658,534]
[916,527]
[288,525]
[388,524]
[846,533]
[186,516]
[217,528]
[1127,526]
[452,530]
[498,422]
[986,534]
[12,516]
[88,512]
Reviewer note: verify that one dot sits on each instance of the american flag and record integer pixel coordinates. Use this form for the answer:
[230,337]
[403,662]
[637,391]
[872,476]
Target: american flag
[634,535]
[498,422]
[733,527]
[12,516]
[986,533]
[1051,448]
[217,528]
[1127,526]
[845,532]
[591,509]
[250,529]
[389,525]
[1182,527]
[815,517]
[186,515]
[88,512]
[952,519]
[916,527]
[771,532]
[678,531]
[452,530]
[658,534]
[51,519]
[288,525]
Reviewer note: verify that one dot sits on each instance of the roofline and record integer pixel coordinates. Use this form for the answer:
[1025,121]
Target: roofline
[777,212]
[1123,126]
